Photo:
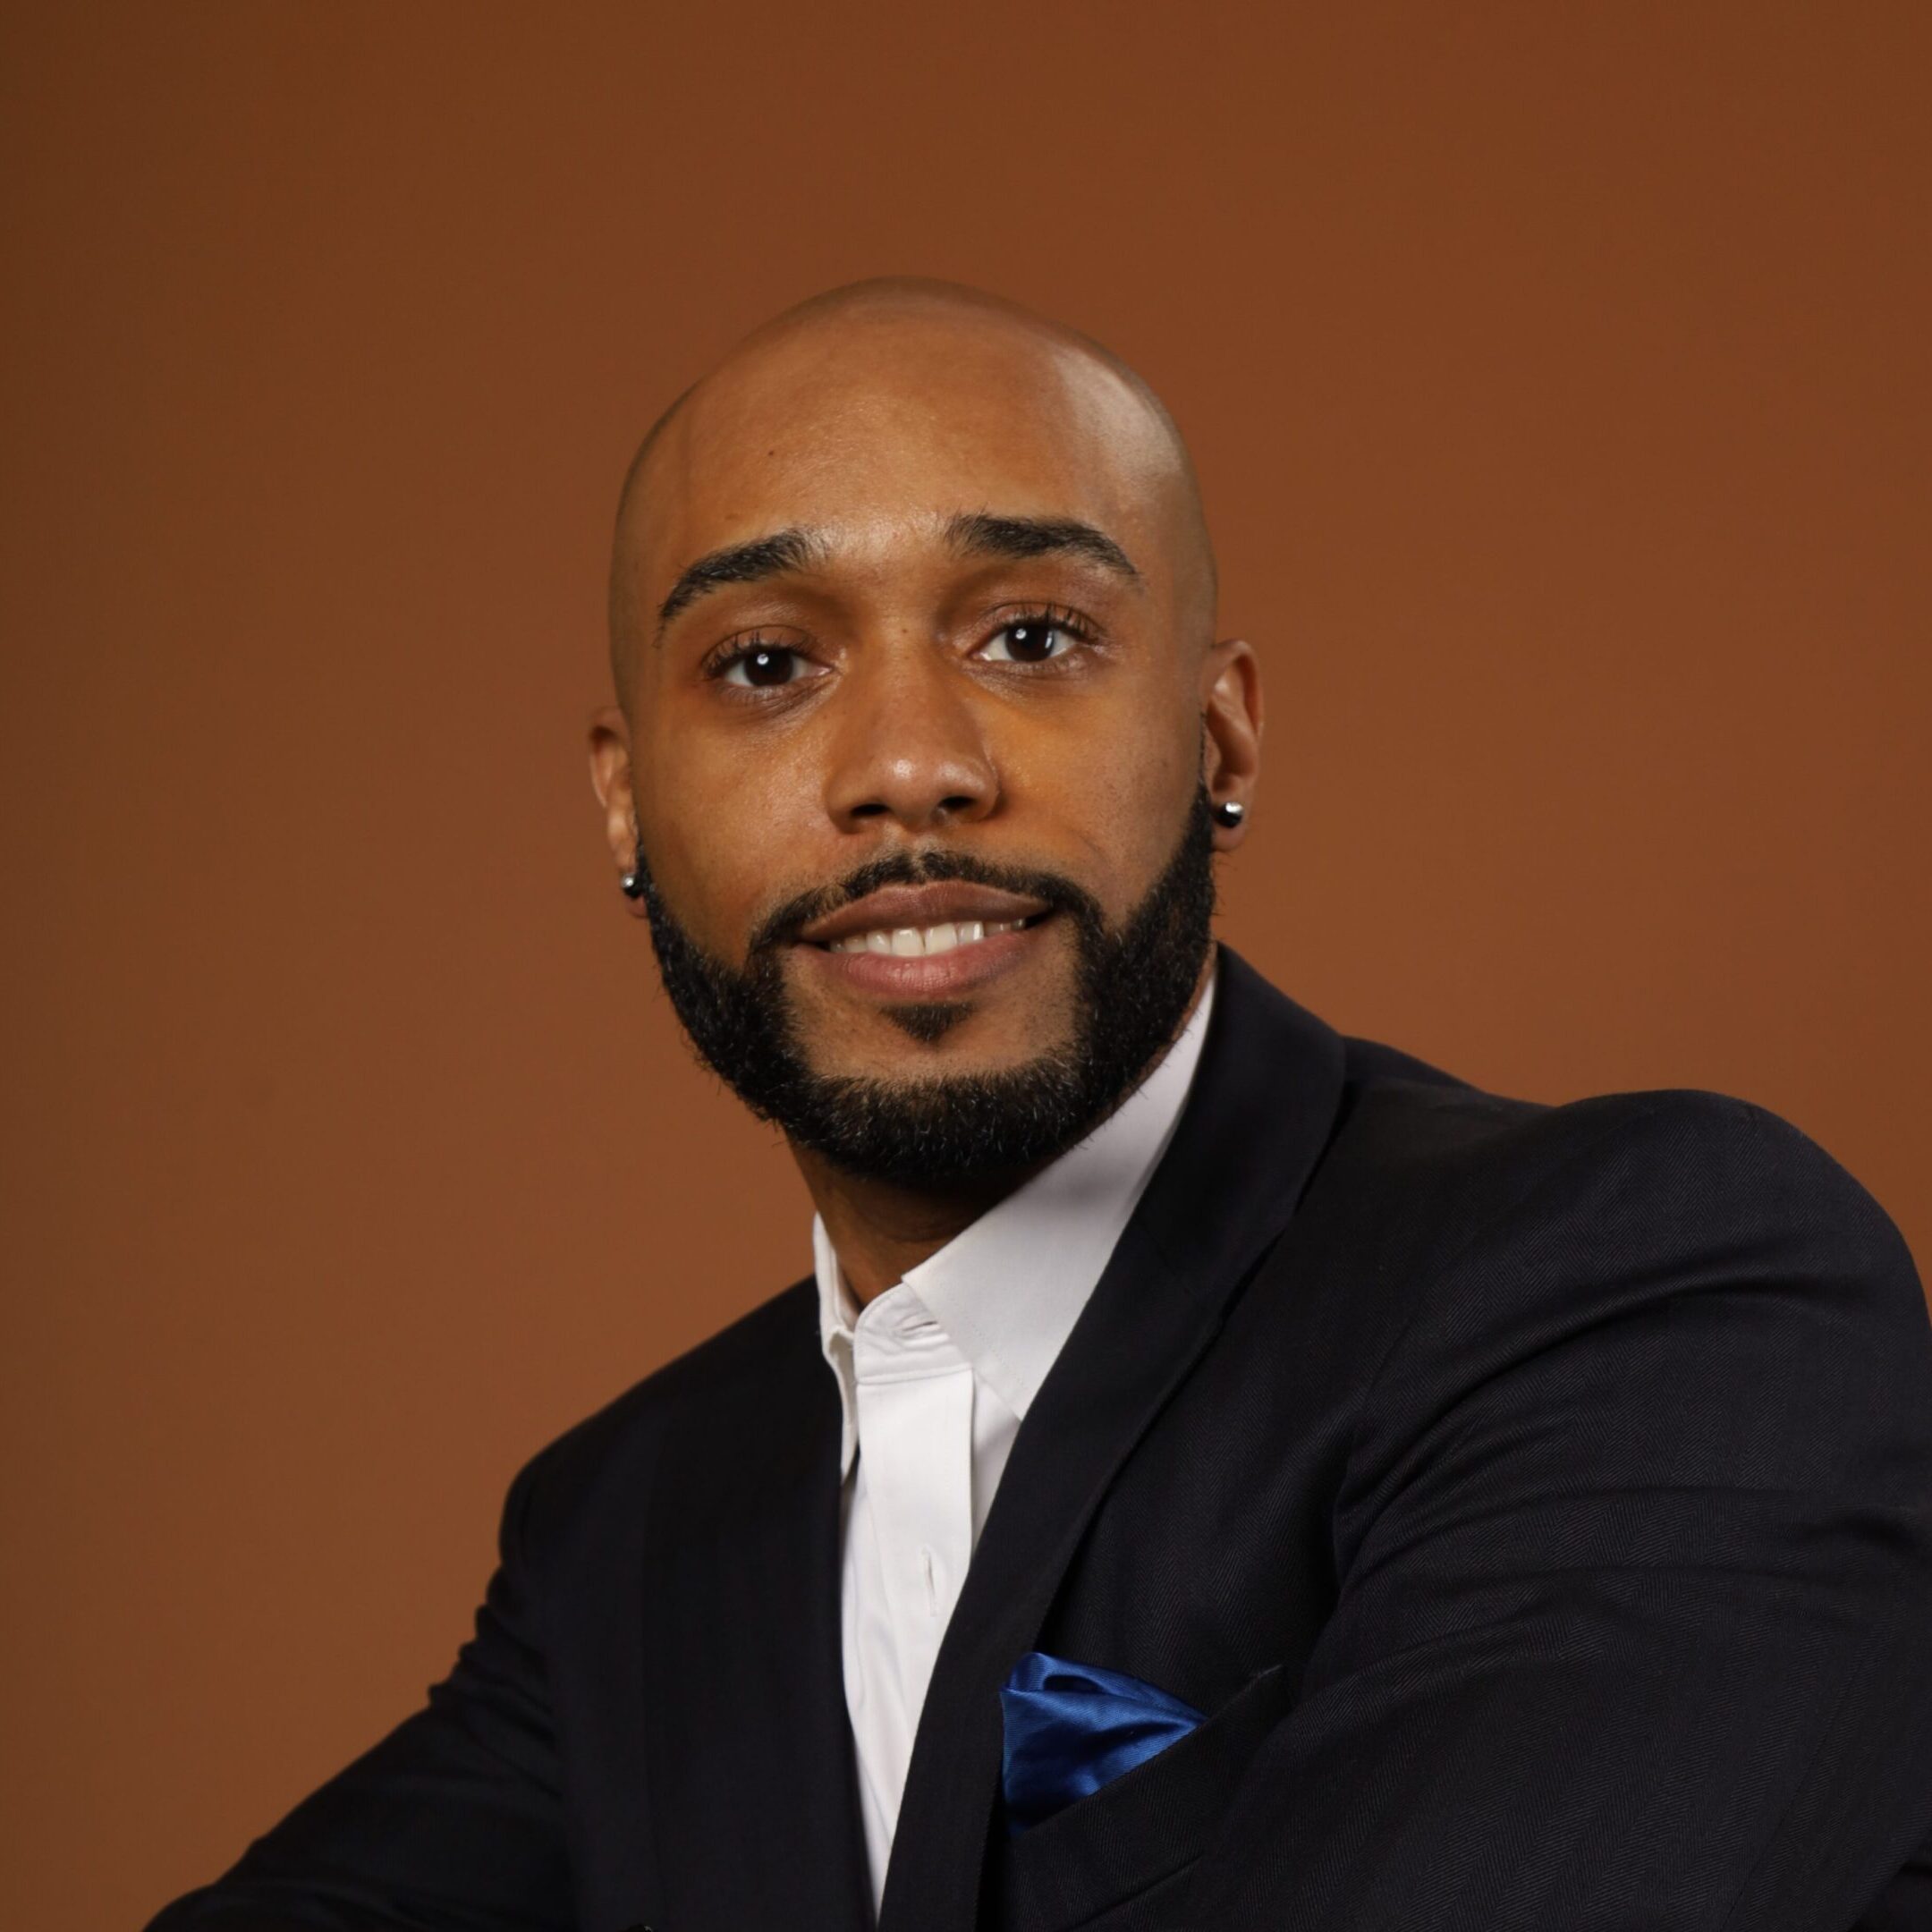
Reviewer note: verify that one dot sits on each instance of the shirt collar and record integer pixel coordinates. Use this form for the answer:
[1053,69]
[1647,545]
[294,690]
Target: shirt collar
[1009,1288]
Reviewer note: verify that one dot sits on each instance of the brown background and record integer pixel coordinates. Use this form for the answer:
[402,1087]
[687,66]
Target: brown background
[1559,379]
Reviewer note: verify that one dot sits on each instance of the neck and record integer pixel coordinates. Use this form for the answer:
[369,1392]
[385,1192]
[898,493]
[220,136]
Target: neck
[880,1229]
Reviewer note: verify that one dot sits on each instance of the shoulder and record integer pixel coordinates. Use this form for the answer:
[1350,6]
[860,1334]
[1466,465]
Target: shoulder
[1670,1256]
[1654,1166]
[770,1350]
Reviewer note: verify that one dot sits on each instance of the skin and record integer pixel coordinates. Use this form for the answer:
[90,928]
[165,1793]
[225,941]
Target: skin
[874,418]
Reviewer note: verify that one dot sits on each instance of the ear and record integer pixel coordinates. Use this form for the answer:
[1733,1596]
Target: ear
[1231,740]
[610,779]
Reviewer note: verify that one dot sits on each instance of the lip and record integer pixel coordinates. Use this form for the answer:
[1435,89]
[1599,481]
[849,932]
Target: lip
[926,976]
[946,901]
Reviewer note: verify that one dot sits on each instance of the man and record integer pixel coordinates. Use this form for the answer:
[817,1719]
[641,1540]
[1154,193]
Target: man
[1221,1474]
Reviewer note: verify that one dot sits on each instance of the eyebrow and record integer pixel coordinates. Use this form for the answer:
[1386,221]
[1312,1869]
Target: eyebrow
[976,532]
[746,563]
[982,533]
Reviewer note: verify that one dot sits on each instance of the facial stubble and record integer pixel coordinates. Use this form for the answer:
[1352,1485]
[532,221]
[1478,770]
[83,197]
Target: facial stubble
[1131,985]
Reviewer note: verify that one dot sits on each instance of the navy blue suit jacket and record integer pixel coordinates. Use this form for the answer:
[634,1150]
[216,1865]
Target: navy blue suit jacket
[1537,1501]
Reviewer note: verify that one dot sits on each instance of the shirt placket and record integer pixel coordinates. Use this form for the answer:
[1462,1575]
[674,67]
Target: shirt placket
[915,1412]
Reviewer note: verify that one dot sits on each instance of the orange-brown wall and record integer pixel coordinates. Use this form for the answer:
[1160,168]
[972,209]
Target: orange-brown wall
[1558,374]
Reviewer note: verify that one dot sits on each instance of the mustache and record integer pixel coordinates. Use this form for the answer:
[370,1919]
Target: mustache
[927,868]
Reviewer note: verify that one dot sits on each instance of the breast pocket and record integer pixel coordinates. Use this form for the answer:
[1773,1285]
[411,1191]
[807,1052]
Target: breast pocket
[1142,1831]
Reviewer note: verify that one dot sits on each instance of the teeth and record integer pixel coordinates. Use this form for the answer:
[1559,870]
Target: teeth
[922,942]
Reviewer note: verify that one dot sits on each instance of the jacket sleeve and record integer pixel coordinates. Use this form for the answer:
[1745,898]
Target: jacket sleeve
[452,1822]
[1634,1554]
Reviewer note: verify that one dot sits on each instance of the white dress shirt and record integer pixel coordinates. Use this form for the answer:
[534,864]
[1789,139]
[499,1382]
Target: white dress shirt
[935,1376]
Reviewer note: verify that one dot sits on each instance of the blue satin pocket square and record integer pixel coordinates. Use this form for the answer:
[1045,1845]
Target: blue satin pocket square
[1071,1728]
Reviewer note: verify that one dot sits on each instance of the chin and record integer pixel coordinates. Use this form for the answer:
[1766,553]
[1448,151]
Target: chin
[917,1042]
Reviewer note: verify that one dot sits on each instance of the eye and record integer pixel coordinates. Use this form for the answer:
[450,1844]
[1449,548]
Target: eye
[763,666]
[1036,639]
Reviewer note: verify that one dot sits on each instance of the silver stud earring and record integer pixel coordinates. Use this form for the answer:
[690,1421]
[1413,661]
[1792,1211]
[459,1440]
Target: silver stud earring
[631,885]
[1229,813]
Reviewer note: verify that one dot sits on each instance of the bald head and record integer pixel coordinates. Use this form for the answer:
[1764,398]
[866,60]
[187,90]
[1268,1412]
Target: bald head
[872,398]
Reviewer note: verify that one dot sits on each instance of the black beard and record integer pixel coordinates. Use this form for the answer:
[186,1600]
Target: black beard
[1130,991]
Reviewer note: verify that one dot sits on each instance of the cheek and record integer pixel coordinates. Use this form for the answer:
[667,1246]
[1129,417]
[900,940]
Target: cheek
[722,830]
[1121,789]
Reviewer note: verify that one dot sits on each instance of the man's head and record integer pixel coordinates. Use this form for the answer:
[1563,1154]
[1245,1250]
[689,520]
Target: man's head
[919,714]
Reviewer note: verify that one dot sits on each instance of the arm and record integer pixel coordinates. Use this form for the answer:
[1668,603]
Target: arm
[453,1821]
[1634,1625]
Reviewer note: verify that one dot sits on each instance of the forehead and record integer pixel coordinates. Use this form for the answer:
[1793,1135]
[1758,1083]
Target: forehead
[877,429]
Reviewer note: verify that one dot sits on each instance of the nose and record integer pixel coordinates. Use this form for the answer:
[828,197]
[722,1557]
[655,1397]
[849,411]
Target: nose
[909,747]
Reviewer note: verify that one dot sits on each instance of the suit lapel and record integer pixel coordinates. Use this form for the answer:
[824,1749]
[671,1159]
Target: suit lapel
[753,1790]
[1260,1113]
